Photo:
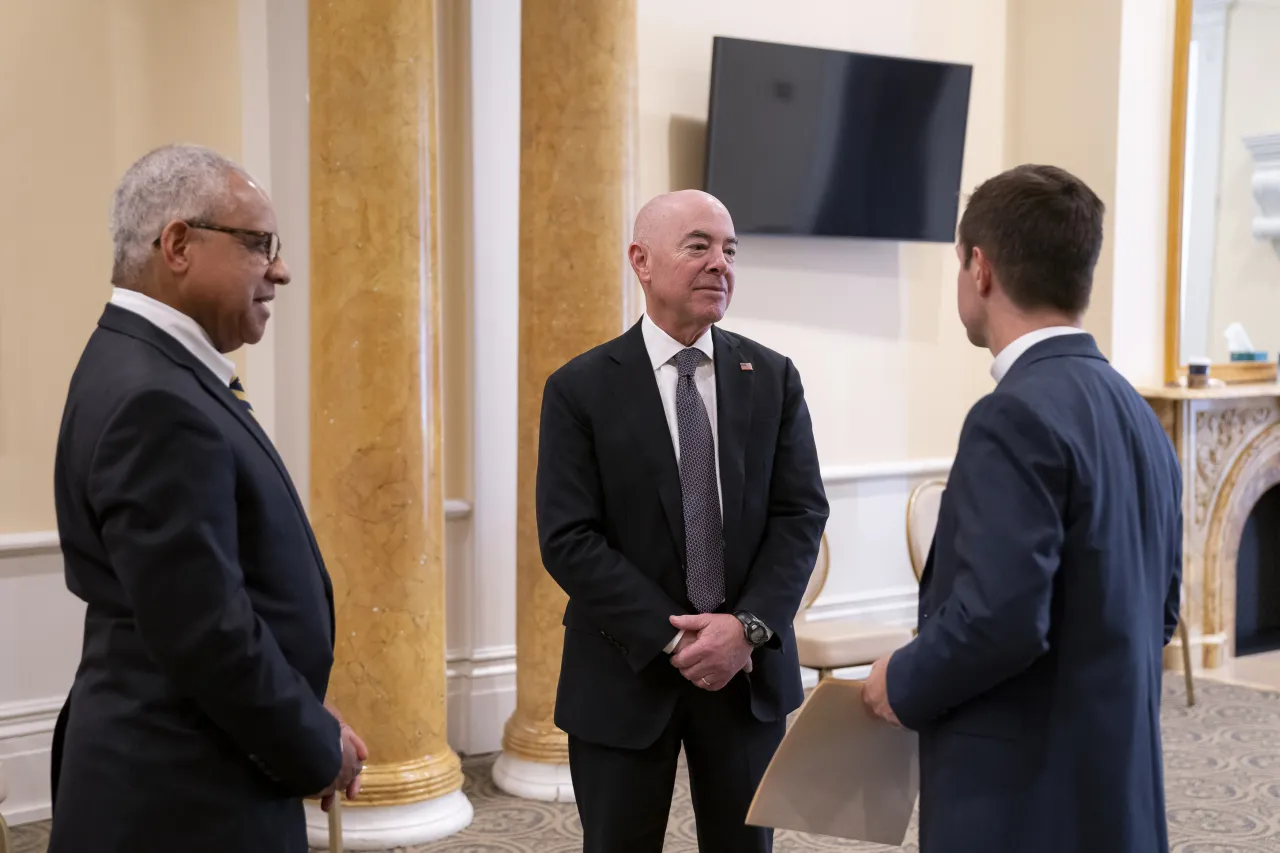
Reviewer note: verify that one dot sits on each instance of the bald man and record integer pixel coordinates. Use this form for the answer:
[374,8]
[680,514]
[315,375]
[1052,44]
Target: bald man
[680,507]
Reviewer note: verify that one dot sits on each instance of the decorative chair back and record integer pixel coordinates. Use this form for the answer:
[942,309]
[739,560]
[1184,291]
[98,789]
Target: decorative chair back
[922,519]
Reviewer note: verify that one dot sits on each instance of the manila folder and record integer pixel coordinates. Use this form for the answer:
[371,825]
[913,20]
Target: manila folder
[840,772]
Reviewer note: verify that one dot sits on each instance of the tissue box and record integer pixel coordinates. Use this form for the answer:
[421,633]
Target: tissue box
[1256,355]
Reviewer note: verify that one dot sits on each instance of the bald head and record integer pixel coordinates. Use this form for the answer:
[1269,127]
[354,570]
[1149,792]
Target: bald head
[682,250]
[662,211]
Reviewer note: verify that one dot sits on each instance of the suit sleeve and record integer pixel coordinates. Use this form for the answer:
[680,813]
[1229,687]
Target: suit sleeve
[1172,601]
[797,515]
[162,484]
[1006,487]
[575,552]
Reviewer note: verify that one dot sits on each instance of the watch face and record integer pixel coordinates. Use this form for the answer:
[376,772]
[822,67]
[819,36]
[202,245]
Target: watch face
[755,633]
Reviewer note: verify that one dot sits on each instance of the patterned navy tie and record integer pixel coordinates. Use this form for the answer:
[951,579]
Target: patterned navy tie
[703,529]
[238,390]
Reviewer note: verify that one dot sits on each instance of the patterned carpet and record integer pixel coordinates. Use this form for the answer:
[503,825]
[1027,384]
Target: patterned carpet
[1222,762]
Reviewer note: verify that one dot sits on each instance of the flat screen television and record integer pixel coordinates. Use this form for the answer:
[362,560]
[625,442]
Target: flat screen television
[802,140]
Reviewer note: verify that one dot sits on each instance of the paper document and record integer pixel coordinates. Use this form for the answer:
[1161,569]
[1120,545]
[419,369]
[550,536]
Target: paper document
[840,772]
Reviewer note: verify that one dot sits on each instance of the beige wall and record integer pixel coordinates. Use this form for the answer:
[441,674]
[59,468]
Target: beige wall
[1063,97]
[1246,276]
[871,326]
[86,86]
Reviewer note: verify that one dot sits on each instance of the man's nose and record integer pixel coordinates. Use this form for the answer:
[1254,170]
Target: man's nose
[278,273]
[717,262]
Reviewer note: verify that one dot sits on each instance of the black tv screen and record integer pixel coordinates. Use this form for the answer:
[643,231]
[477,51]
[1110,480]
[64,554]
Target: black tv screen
[802,140]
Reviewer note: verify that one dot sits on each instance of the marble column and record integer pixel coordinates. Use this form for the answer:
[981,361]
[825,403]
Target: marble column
[577,148]
[377,497]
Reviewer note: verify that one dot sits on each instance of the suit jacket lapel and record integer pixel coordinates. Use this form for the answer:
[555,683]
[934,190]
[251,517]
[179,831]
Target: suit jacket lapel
[228,399]
[734,389]
[120,320]
[636,395]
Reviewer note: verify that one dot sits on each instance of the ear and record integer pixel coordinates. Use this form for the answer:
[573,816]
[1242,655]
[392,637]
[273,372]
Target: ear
[983,274]
[638,254]
[175,245]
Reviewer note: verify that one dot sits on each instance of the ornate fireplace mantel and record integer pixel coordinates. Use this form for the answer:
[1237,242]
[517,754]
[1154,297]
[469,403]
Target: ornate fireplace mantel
[1228,442]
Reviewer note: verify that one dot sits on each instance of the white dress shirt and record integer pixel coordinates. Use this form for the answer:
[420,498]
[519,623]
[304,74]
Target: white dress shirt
[178,326]
[1010,354]
[662,350]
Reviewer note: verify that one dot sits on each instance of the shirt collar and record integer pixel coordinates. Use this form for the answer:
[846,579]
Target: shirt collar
[662,347]
[178,326]
[1010,354]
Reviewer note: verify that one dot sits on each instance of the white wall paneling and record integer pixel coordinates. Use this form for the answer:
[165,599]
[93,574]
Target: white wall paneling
[40,631]
[870,575]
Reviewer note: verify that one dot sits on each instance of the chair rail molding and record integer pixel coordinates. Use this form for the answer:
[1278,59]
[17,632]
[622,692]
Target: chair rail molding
[30,542]
[839,475]
[47,542]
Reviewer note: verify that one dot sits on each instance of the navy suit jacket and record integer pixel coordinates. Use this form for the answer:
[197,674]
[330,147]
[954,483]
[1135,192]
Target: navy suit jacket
[1048,596]
[195,721]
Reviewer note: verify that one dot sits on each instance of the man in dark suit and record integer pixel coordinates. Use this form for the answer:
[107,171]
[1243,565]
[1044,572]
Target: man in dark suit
[680,506]
[1052,584]
[197,720]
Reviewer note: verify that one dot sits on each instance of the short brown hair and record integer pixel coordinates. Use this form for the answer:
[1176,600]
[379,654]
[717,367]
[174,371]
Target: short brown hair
[1041,228]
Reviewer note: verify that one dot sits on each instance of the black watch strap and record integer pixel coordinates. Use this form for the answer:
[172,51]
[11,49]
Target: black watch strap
[757,633]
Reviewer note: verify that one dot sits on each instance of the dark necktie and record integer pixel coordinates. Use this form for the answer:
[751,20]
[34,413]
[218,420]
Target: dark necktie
[238,390]
[703,530]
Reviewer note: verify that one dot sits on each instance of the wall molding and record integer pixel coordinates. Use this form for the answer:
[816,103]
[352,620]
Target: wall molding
[839,475]
[481,697]
[47,541]
[455,508]
[26,544]
[29,717]
[466,663]
[1265,149]
[895,605]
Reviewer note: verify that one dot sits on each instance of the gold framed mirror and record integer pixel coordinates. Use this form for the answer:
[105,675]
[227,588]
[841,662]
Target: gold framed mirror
[1222,290]
[1177,157]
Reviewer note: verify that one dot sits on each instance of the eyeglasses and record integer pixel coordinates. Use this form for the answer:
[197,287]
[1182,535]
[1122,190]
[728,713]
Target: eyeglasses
[265,243]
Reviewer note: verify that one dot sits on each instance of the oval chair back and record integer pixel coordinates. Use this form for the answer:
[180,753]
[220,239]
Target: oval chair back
[818,578]
[922,519]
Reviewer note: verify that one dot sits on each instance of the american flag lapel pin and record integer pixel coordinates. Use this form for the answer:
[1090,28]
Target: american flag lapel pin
[744,365]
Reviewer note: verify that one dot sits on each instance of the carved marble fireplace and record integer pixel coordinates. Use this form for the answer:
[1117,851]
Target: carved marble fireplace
[1228,442]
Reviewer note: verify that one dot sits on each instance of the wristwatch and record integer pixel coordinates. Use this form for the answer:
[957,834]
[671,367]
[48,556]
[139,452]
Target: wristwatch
[757,633]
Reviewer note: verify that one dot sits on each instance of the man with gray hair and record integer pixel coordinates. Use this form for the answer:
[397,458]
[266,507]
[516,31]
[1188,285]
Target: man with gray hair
[197,719]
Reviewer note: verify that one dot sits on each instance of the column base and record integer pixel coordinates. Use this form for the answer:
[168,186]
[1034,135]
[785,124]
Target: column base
[385,827]
[533,780]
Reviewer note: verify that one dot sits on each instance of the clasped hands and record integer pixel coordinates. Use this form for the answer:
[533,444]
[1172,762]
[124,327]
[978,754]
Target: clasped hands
[354,755]
[712,650]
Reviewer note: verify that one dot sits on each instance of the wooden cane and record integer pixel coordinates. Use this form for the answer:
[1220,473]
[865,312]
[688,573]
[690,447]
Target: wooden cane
[1186,662]
[335,824]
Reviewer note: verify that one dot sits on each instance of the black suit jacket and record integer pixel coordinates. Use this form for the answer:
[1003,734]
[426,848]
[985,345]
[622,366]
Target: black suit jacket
[196,720]
[1049,593]
[611,526]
